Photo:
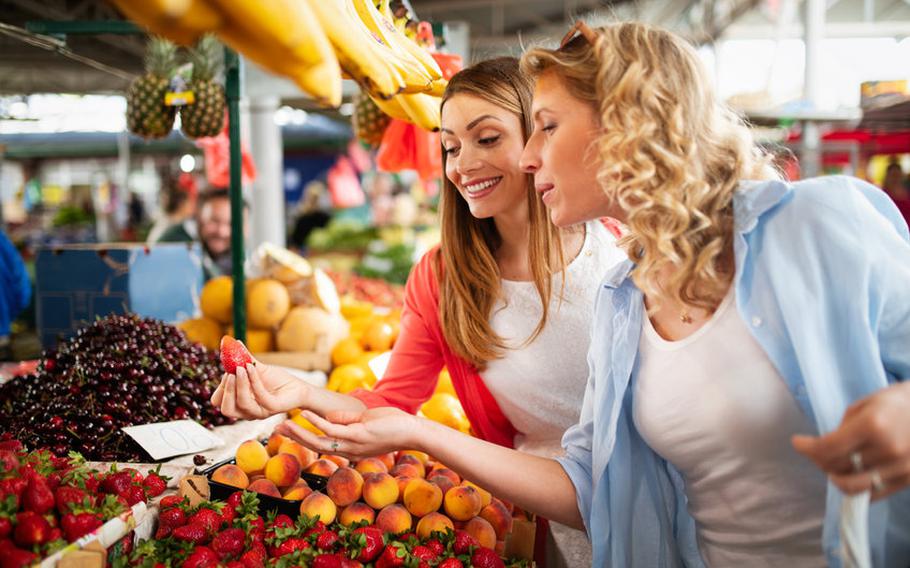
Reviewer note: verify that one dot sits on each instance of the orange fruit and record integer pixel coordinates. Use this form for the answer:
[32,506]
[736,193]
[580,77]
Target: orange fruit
[379,336]
[346,351]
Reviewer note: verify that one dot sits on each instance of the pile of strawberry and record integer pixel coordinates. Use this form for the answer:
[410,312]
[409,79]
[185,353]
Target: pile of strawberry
[233,534]
[48,501]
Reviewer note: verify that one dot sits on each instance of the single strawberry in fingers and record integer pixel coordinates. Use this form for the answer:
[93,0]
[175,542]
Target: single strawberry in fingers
[233,354]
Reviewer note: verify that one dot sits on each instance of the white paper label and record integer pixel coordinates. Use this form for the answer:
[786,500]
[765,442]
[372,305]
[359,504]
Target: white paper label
[168,439]
[379,363]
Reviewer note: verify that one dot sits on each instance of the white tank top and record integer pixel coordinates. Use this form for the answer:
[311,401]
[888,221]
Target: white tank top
[715,407]
[540,386]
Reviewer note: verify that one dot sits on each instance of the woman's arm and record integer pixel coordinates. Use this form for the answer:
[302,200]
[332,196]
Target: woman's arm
[539,485]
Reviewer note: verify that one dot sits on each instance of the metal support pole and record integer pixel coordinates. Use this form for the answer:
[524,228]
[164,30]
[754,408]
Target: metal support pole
[815,29]
[232,63]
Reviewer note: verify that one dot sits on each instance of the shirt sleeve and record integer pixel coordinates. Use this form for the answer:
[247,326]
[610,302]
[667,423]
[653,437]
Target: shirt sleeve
[417,357]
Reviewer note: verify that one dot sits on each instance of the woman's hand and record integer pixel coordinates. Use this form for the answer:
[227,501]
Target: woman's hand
[259,391]
[870,450]
[356,434]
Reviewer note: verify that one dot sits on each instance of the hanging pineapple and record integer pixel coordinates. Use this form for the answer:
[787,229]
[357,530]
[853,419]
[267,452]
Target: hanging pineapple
[146,113]
[368,121]
[205,116]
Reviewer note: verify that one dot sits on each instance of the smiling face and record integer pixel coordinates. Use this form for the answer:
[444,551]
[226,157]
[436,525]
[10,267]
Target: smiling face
[482,144]
[561,154]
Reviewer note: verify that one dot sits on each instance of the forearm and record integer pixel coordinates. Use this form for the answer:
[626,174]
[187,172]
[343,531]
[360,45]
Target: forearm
[536,484]
[322,401]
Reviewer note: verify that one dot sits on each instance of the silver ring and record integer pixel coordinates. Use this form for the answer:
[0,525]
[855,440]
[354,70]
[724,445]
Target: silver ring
[856,459]
[878,485]
[335,445]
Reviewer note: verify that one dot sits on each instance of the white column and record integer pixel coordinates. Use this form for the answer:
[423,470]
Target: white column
[814,24]
[267,198]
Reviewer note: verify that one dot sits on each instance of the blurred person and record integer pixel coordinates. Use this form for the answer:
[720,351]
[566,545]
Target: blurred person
[179,205]
[15,293]
[310,214]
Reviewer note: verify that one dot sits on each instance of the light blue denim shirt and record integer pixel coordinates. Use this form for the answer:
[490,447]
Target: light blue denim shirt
[823,282]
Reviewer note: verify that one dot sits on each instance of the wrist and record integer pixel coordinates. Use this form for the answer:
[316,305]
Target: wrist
[421,434]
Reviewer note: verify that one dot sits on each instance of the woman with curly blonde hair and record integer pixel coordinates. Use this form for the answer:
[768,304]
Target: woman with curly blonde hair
[755,342]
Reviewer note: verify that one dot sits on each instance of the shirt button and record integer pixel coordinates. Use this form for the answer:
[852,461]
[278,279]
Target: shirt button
[756,321]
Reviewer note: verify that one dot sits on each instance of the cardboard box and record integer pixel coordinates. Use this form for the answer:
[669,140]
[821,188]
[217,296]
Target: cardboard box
[75,284]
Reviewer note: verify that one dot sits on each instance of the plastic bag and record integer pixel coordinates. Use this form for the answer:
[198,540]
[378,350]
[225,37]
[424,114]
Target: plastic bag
[344,185]
[217,151]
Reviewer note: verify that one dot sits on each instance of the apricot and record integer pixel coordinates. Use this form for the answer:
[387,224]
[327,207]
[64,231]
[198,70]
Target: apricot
[443,483]
[344,486]
[325,468]
[305,456]
[283,470]
[433,522]
[394,519]
[380,490]
[482,531]
[275,441]
[319,506]
[462,503]
[232,475]
[407,470]
[371,465]
[422,497]
[388,459]
[298,491]
[252,457]
[499,518]
[339,461]
[422,457]
[485,495]
[402,482]
[265,487]
[447,473]
[355,513]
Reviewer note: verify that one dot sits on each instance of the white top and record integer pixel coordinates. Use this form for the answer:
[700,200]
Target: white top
[540,386]
[715,407]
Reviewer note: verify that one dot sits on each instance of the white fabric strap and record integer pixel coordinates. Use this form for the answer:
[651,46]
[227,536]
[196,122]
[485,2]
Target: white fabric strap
[854,531]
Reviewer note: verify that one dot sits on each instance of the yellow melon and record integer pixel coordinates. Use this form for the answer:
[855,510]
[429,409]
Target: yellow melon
[202,330]
[257,340]
[346,351]
[217,299]
[311,329]
[267,304]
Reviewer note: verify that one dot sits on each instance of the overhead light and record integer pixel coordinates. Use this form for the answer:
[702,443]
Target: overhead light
[187,163]
[346,109]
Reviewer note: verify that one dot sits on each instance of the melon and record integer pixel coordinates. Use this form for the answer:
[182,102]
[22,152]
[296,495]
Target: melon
[308,329]
[257,340]
[202,330]
[267,303]
[217,299]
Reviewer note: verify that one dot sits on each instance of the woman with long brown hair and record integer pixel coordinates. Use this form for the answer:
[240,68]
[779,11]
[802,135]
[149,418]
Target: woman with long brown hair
[749,359]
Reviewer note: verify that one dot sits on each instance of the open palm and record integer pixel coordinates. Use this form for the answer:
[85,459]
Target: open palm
[259,391]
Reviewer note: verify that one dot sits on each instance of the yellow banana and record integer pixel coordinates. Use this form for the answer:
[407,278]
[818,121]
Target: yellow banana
[386,30]
[288,27]
[391,107]
[181,21]
[324,79]
[422,109]
[355,52]
[438,87]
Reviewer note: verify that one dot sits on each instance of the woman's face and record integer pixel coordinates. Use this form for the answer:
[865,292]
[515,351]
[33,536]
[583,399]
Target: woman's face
[561,153]
[483,143]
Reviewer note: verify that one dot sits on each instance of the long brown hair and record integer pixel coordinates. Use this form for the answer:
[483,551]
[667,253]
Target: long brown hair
[469,277]
[672,154]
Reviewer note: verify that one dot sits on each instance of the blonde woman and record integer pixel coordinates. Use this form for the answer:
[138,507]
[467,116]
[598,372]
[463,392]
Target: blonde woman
[752,316]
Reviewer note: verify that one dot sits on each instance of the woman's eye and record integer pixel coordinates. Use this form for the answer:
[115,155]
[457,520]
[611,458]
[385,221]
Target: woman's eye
[549,127]
[450,151]
[488,140]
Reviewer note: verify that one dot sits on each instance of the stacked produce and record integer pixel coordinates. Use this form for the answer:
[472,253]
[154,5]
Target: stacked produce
[119,371]
[311,42]
[292,307]
[48,501]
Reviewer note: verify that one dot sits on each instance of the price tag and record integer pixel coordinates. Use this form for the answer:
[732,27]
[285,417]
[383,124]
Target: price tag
[168,439]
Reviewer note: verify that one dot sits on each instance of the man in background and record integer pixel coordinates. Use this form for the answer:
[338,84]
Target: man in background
[15,293]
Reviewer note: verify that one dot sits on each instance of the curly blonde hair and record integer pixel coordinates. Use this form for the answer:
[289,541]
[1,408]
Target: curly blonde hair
[671,154]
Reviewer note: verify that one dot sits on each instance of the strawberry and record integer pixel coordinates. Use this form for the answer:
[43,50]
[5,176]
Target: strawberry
[348,563]
[227,516]
[154,484]
[290,546]
[326,540]
[257,529]
[254,557]
[486,558]
[208,518]
[170,501]
[126,544]
[197,534]
[228,543]
[450,563]
[17,558]
[436,546]
[202,557]
[172,518]
[75,526]
[234,500]
[134,474]
[317,529]
[463,543]
[92,482]
[31,529]
[11,446]
[67,496]
[326,561]
[117,483]
[370,544]
[135,494]
[233,354]
[13,486]
[392,555]
[6,527]
[421,552]
[283,520]
[37,497]
[8,461]
[235,564]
